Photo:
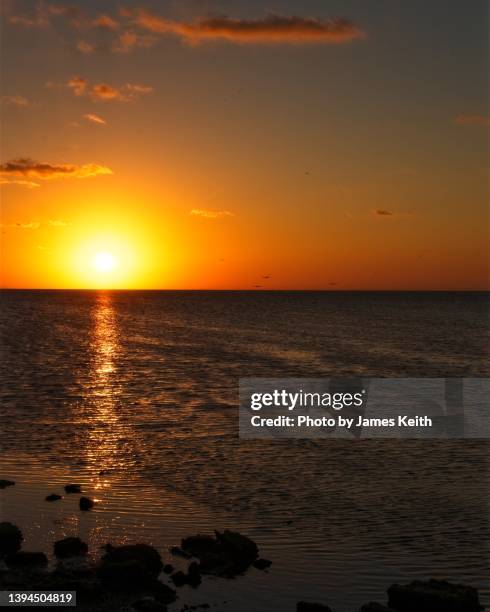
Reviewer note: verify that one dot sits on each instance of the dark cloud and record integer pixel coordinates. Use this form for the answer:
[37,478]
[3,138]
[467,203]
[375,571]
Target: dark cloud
[19,171]
[271,29]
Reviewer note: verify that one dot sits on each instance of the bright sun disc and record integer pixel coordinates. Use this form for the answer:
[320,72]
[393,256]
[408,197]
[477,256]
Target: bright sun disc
[104,262]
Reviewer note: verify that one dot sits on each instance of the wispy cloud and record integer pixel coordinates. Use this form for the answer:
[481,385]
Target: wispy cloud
[30,225]
[85,47]
[210,214]
[128,41]
[105,92]
[383,212]
[271,29]
[22,183]
[19,101]
[78,85]
[23,169]
[42,14]
[93,118]
[483,120]
[105,21]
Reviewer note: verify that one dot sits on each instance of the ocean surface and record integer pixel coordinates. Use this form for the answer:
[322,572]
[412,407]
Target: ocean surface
[134,395]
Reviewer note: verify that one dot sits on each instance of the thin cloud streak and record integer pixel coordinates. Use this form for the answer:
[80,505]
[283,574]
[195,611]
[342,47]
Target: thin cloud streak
[210,214]
[19,101]
[93,118]
[26,168]
[105,92]
[272,29]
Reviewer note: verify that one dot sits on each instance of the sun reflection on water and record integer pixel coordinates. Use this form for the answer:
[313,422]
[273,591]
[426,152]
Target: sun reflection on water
[103,451]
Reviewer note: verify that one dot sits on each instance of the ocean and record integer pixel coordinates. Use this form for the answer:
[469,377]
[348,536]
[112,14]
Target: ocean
[135,395]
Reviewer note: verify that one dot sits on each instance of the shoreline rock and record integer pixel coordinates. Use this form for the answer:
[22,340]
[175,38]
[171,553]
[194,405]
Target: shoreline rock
[70,547]
[227,554]
[53,497]
[6,483]
[433,596]
[10,538]
[85,503]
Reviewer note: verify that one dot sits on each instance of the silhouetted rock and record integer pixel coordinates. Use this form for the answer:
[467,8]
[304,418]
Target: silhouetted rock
[304,606]
[374,606]
[70,547]
[168,568]
[227,554]
[178,552]
[52,497]
[26,559]
[179,578]
[134,567]
[433,596]
[198,545]
[194,575]
[262,564]
[148,604]
[6,483]
[10,538]
[73,488]
[86,503]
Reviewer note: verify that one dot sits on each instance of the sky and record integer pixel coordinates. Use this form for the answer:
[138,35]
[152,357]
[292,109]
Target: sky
[195,144]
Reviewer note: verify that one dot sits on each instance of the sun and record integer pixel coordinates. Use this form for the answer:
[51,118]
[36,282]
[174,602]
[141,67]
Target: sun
[104,262]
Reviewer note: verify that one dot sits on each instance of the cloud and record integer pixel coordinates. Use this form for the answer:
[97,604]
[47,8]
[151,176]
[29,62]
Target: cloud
[28,184]
[93,118]
[30,225]
[210,214]
[18,101]
[272,29]
[383,213]
[78,85]
[26,168]
[105,21]
[128,41]
[85,47]
[482,120]
[126,93]
[105,92]
[43,13]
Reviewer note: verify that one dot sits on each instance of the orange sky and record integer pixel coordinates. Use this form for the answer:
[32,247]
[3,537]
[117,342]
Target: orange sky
[246,151]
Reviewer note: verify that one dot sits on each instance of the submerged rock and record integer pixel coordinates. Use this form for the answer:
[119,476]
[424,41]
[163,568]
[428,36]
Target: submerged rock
[433,596]
[26,559]
[70,547]
[10,538]
[262,564]
[52,497]
[227,554]
[86,503]
[6,483]
[305,606]
[73,488]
